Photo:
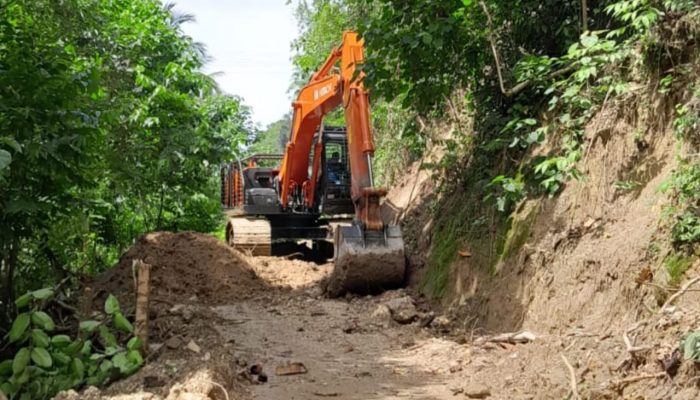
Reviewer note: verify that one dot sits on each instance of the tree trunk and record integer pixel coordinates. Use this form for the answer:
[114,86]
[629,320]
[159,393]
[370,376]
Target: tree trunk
[584,16]
[8,294]
[160,207]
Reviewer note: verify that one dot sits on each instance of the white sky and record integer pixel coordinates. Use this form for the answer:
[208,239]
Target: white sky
[249,41]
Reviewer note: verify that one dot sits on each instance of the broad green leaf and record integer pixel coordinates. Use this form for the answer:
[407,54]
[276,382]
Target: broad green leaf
[40,338]
[87,347]
[73,348]
[89,326]
[121,323]
[5,159]
[41,357]
[19,363]
[690,346]
[135,357]
[43,321]
[19,326]
[60,341]
[111,305]
[134,343]
[60,358]
[42,294]
[8,388]
[12,143]
[23,300]
[589,41]
[107,336]
[23,377]
[6,368]
[121,362]
[78,368]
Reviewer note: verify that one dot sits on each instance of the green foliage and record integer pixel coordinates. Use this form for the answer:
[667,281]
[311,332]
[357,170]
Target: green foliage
[273,139]
[321,23]
[684,212]
[526,131]
[44,363]
[690,346]
[676,266]
[627,186]
[109,130]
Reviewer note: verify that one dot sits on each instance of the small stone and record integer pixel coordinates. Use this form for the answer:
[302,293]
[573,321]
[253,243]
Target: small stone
[477,391]
[256,369]
[193,347]
[262,377]
[187,314]
[382,315]
[426,319]
[91,393]
[402,310]
[456,390]
[441,322]
[173,342]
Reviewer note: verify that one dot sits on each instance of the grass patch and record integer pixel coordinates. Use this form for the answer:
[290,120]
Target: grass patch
[676,266]
[463,222]
[442,255]
[519,231]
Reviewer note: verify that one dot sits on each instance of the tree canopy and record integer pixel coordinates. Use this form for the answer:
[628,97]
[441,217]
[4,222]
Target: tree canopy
[108,130]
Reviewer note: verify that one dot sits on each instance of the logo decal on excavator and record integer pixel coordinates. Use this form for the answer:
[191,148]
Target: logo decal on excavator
[318,93]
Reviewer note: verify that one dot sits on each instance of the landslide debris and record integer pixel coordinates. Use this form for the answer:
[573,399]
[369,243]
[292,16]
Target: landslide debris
[185,265]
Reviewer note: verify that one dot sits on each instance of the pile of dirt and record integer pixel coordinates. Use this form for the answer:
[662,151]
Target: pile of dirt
[184,265]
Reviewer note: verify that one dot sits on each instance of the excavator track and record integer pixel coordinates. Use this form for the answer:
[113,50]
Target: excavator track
[249,235]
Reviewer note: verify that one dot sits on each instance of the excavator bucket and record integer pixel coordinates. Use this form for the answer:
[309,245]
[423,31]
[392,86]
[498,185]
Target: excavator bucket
[367,261]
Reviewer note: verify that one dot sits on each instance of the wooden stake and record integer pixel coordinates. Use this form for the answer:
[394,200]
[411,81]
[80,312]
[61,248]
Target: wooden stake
[142,295]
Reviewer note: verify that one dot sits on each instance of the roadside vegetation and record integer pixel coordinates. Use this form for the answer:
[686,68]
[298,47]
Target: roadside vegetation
[527,77]
[108,130]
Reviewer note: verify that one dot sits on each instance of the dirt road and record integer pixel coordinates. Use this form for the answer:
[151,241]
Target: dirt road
[349,352]
[218,315]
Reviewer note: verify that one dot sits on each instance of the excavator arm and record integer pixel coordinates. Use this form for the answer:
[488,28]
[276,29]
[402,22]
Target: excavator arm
[327,89]
[369,254]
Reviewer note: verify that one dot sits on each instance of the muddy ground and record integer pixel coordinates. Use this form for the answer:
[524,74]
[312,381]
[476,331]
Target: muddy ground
[224,326]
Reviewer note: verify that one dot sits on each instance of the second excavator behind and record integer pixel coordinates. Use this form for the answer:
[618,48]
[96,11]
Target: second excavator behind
[324,172]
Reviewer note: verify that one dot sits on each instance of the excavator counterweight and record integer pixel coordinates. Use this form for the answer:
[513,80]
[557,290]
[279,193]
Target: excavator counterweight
[324,173]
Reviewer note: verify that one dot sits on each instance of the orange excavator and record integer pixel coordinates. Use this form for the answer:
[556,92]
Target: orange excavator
[325,173]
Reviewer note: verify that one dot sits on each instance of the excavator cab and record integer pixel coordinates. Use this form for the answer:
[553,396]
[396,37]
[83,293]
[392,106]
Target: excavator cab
[335,184]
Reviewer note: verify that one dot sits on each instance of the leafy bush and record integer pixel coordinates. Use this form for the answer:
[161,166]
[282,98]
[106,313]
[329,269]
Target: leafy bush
[45,363]
[102,140]
[690,346]
[684,213]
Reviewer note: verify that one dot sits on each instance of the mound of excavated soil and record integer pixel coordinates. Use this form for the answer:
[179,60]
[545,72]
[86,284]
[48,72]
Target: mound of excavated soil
[183,265]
